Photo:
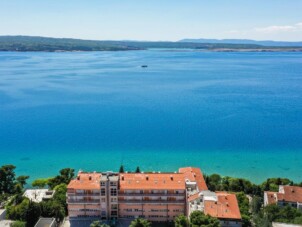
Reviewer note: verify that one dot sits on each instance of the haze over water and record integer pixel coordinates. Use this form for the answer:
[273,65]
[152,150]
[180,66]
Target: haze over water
[237,114]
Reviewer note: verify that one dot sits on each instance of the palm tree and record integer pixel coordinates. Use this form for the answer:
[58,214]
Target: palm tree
[140,222]
[98,224]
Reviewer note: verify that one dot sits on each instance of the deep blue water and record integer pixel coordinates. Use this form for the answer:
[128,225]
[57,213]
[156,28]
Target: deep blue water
[236,114]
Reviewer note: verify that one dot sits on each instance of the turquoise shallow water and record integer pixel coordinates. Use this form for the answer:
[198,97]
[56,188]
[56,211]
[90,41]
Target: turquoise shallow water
[237,114]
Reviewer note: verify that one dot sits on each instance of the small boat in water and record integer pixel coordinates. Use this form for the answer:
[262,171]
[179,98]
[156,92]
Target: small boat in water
[144,66]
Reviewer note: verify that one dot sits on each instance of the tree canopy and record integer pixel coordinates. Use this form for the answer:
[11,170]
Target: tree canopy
[198,219]
[140,222]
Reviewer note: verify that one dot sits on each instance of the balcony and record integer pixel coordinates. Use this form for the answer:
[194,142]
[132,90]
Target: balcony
[151,194]
[152,201]
[84,201]
[83,194]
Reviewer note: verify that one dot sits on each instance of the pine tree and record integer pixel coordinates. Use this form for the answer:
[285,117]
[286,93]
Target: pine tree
[121,169]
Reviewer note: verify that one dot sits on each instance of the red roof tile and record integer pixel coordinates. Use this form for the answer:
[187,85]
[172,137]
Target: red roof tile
[160,181]
[226,207]
[194,174]
[86,181]
[291,194]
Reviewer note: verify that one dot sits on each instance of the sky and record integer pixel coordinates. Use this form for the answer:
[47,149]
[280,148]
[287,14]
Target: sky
[153,19]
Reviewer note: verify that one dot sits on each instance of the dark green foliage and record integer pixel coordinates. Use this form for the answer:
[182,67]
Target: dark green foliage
[18,212]
[140,222]
[7,179]
[52,208]
[272,184]
[22,180]
[244,207]
[256,204]
[98,224]
[18,224]
[64,178]
[217,183]
[121,170]
[197,219]
[274,213]
[181,221]
[56,207]
[137,170]
[40,183]
[33,214]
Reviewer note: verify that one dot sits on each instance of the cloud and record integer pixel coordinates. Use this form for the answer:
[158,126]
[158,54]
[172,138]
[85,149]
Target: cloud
[270,29]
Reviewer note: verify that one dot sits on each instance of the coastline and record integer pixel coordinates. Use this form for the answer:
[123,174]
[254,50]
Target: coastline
[255,166]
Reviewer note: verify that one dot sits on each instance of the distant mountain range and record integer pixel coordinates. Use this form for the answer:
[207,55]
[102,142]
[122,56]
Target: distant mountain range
[35,43]
[245,41]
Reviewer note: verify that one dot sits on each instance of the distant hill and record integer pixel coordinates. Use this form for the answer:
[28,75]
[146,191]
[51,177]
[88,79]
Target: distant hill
[35,43]
[245,41]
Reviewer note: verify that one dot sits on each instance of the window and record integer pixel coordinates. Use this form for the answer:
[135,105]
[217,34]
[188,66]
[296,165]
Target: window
[103,192]
[113,192]
[112,183]
[102,183]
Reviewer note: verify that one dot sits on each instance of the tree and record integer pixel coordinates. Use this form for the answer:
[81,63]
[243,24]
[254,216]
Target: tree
[181,221]
[33,214]
[40,183]
[98,224]
[256,204]
[140,222]
[18,224]
[121,169]
[64,178]
[22,180]
[56,207]
[198,218]
[18,212]
[137,170]
[7,179]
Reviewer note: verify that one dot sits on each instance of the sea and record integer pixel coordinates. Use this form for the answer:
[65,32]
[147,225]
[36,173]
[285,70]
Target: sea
[237,114]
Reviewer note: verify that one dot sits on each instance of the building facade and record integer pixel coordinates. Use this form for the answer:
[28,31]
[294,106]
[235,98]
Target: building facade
[287,196]
[158,197]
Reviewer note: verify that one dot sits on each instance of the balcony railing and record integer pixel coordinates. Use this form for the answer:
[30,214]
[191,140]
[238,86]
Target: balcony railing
[153,201]
[83,194]
[94,201]
[151,194]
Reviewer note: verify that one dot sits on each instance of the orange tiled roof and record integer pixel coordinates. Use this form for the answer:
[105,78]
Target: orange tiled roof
[291,194]
[193,197]
[86,181]
[194,174]
[226,206]
[271,197]
[160,181]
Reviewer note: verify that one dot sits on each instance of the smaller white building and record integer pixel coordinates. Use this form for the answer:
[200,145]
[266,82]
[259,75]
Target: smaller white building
[277,224]
[38,195]
[2,214]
